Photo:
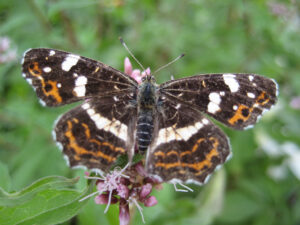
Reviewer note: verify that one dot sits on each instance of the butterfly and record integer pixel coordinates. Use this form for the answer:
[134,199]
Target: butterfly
[166,122]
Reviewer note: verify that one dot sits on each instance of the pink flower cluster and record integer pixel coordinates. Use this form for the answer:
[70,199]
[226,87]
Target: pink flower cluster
[129,185]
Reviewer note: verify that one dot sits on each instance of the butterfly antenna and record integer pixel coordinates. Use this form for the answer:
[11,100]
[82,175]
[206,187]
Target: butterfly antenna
[125,46]
[168,64]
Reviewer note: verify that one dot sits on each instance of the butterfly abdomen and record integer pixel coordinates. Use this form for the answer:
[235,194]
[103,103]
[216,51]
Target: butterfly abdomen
[144,130]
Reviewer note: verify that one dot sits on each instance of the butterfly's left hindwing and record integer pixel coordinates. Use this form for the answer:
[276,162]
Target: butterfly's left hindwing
[97,132]
[237,100]
[60,77]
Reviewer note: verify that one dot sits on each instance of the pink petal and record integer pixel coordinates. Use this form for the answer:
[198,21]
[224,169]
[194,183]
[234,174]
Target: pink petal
[151,201]
[127,66]
[124,215]
[146,190]
[136,74]
[146,72]
[123,191]
[140,169]
[101,186]
[103,199]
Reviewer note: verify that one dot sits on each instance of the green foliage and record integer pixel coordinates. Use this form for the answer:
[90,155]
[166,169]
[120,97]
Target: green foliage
[217,36]
[47,201]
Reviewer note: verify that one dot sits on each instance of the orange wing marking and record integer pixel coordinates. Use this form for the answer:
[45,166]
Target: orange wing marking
[88,135]
[239,114]
[197,166]
[195,147]
[262,99]
[35,71]
[80,150]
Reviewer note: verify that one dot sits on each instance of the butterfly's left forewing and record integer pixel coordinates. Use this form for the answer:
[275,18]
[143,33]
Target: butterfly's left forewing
[60,77]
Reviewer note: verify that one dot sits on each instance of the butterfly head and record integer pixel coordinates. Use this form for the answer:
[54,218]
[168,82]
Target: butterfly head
[149,78]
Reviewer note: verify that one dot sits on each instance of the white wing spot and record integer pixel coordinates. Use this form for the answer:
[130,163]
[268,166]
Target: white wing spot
[254,84]
[71,60]
[23,75]
[205,121]
[51,53]
[91,112]
[250,95]
[250,77]
[75,75]
[29,80]
[231,82]
[80,91]
[42,102]
[47,69]
[116,98]
[213,108]
[214,97]
[58,85]
[85,106]
[213,105]
[178,106]
[222,93]
[235,107]
[80,83]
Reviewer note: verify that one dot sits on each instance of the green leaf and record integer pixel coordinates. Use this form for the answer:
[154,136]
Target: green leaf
[239,207]
[47,201]
[5,181]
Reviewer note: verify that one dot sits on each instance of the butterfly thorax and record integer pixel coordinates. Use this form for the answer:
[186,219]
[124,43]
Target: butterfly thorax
[146,107]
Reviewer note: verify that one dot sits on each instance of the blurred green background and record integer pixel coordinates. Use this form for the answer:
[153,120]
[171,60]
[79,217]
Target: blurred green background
[260,185]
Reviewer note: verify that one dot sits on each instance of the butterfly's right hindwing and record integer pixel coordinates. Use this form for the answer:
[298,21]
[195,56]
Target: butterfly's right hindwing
[186,147]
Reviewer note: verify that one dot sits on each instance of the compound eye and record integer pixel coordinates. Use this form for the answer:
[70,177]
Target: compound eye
[153,79]
[143,78]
